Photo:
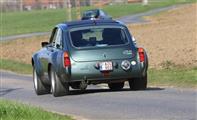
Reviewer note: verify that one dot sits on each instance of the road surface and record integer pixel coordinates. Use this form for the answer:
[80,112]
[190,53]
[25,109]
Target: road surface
[102,104]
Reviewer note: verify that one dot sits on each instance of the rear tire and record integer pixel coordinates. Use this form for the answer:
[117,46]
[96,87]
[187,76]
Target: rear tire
[57,88]
[116,86]
[39,87]
[138,83]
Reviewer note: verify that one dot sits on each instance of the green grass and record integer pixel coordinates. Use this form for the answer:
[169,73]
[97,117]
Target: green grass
[16,111]
[170,76]
[44,20]
[15,66]
[178,77]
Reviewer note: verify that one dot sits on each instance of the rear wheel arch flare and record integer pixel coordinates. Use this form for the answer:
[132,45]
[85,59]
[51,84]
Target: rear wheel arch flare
[49,68]
[32,62]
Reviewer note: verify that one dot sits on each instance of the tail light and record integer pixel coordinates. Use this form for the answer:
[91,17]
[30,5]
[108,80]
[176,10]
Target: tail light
[67,62]
[141,54]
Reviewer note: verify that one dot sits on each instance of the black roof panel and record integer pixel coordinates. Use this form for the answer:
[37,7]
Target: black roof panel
[91,22]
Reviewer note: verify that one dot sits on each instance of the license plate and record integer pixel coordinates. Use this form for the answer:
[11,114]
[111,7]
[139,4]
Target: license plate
[106,66]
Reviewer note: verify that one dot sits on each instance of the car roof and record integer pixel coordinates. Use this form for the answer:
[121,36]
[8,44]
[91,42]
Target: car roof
[92,10]
[82,23]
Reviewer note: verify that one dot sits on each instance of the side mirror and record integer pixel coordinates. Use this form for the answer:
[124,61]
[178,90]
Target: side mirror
[43,44]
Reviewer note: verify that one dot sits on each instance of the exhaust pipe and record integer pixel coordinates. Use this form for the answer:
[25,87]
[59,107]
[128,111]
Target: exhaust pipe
[84,84]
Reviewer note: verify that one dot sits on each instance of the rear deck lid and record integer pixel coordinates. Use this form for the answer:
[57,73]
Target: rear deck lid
[99,43]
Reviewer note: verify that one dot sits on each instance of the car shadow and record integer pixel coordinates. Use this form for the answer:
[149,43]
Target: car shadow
[4,91]
[154,88]
[100,90]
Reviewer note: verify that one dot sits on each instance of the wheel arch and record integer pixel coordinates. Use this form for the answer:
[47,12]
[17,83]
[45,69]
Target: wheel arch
[32,61]
[146,59]
[36,64]
[49,68]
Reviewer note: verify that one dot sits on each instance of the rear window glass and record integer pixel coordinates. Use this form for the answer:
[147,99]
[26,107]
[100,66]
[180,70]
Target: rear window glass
[100,37]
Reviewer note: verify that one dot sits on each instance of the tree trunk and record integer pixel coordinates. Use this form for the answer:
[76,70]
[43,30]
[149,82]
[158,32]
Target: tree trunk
[145,2]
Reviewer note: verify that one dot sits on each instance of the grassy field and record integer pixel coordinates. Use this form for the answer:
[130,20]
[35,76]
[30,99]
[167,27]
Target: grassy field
[174,77]
[44,20]
[169,39]
[15,111]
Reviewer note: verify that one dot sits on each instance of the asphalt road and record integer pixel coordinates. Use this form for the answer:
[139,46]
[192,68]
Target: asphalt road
[138,18]
[102,104]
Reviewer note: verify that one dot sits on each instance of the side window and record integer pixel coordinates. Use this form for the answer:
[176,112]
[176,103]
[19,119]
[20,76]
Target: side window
[53,37]
[58,39]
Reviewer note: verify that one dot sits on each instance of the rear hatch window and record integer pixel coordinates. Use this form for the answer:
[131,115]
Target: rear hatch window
[98,37]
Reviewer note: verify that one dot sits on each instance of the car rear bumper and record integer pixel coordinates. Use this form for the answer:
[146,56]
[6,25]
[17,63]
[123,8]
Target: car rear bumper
[87,71]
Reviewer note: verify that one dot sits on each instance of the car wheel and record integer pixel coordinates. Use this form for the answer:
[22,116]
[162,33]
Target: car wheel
[39,87]
[116,86]
[57,88]
[138,83]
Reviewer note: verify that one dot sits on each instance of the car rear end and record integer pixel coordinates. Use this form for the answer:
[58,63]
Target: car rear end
[102,53]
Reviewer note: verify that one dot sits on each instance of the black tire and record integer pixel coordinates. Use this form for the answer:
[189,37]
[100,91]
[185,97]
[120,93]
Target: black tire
[57,88]
[39,87]
[138,83]
[116,86]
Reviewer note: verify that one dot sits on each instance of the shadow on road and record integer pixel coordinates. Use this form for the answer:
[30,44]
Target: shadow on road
[91,91]
[4,91]
[154,88]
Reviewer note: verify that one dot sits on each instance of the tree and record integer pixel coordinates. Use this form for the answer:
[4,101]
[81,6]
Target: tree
[68,7]
[21,5]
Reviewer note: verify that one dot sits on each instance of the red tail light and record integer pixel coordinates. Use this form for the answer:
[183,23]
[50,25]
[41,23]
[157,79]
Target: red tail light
[67,62]
[141,54]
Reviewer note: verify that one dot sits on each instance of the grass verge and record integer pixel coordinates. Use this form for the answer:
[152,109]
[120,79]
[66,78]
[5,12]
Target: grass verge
[173,76]
[15,66]
[43,20]
[16,111]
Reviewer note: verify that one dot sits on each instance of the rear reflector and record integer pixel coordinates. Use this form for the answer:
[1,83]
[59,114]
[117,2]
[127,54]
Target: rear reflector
[106,73]
[66,60]
[141,54]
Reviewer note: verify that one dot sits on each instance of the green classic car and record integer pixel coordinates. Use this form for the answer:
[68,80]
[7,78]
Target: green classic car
[80,53]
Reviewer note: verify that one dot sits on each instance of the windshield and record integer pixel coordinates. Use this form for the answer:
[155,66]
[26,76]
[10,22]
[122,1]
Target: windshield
[92,13]
[98,36]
